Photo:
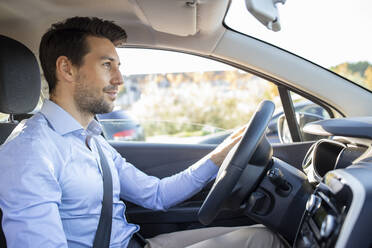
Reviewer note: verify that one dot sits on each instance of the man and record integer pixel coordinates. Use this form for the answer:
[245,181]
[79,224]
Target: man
[52,195]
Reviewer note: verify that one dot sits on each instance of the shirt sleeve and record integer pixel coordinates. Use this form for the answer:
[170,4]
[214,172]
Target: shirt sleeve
[29,197]
[160,194]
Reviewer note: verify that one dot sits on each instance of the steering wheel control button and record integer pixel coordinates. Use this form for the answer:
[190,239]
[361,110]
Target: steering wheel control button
[313,203]
[277,178]
[328,225]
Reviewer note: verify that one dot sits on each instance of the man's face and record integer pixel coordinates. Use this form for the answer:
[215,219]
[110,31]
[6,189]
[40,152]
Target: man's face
[98,78]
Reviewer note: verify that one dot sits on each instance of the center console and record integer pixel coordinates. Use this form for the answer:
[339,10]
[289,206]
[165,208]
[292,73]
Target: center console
[338,212]
[323,218]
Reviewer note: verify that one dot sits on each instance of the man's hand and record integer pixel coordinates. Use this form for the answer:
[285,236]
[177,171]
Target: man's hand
[218,155]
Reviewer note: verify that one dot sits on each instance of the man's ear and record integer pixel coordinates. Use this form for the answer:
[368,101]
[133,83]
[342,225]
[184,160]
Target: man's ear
[64,69]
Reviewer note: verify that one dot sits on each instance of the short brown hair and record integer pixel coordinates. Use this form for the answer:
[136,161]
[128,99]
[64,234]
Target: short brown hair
[68,38]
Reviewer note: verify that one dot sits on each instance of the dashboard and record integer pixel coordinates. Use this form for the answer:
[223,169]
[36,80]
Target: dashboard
[330,154]
[329,202]
[338,212]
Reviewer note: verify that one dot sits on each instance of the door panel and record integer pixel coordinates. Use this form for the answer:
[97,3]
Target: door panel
[164,160]
[161,160]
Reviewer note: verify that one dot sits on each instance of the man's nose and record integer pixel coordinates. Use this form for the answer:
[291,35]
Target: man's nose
[117,78]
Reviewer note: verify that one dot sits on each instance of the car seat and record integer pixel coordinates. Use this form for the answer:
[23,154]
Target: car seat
[19,88]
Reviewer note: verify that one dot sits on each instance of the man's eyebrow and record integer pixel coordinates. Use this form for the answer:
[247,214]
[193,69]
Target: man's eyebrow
[109,58]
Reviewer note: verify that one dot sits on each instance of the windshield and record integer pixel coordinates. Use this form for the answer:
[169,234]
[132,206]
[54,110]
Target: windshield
[334,34]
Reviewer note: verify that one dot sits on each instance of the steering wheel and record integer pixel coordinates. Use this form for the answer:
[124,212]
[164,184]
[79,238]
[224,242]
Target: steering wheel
[240,159]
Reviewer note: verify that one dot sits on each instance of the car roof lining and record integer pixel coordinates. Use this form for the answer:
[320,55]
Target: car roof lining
[184,19]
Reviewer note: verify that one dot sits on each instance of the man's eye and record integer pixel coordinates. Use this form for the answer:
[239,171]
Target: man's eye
[107,65]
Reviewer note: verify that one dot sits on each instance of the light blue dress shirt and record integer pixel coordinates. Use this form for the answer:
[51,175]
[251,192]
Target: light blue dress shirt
[51,184]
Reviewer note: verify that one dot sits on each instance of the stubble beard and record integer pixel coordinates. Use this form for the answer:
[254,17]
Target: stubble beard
[89,101]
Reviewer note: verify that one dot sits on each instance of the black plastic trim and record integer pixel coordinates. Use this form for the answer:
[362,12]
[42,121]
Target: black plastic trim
[290,114]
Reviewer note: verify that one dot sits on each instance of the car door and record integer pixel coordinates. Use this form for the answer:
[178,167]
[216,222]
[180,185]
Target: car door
[180,108]
[164,160]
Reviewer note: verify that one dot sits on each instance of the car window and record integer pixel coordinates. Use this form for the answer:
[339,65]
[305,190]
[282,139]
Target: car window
[306,112]
[3,117]
[304,22]
[303,105]
[172,97]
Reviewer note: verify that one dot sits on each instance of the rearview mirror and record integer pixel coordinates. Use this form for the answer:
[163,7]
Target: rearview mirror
[266,12]
[302,119]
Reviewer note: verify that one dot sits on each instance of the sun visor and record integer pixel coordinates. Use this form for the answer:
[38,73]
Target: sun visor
[182,17]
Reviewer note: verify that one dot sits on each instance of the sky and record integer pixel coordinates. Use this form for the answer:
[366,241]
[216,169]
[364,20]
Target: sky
[327,32]
[140,61]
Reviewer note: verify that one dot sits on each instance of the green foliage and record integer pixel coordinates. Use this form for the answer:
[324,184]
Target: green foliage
[360,73]
[359,67]
[184,108]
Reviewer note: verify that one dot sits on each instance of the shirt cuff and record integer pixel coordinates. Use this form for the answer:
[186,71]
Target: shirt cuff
[205,171]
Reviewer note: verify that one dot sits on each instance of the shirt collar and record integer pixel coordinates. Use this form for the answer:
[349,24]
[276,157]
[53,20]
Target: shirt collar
[62,122]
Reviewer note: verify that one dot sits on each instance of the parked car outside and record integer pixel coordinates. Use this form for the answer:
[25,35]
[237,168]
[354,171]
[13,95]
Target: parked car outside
[119,125]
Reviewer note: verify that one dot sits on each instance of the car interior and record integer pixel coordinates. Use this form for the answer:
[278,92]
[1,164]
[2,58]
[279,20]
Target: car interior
[20,86]
[314,193]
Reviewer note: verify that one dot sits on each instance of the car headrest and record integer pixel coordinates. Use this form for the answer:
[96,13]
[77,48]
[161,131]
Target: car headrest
[19,77]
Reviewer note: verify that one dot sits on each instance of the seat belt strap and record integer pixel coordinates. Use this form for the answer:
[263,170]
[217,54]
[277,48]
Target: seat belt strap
[103,233]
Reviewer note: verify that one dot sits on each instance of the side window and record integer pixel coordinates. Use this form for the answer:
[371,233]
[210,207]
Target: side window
[306,112]
[3,117]
[303,105]
[171,97]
